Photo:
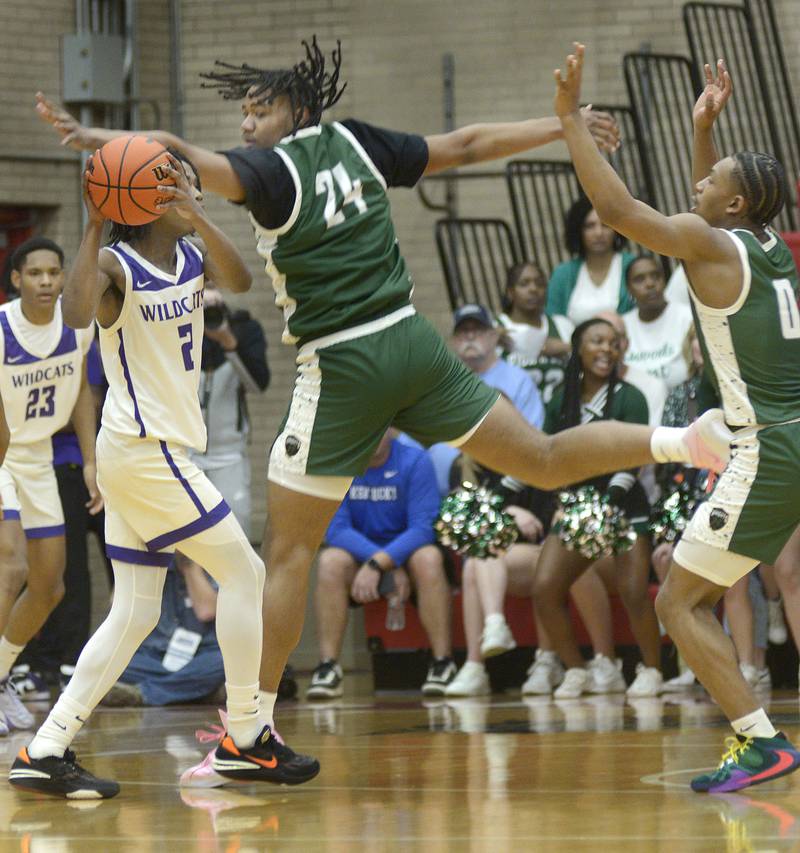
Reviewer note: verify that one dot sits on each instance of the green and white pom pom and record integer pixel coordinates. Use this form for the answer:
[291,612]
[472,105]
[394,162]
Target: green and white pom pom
[671,514]
[472,521]
[592,526]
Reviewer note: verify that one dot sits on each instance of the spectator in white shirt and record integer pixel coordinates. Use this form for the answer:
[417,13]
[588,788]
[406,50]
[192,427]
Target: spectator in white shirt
[657,330]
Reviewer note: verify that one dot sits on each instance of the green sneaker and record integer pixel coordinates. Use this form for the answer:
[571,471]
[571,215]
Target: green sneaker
[749,761]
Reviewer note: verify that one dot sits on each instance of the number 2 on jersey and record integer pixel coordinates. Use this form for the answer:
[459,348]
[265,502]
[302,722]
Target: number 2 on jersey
[185,331]
[350,190]
[45,395]
[787,308]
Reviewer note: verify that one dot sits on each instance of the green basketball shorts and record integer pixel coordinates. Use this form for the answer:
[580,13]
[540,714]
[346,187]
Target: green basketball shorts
[753,510]
[353,385]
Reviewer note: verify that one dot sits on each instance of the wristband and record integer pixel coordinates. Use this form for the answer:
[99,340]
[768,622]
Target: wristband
[374,564]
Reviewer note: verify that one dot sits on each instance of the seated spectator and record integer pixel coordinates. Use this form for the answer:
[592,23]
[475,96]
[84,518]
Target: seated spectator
[592,391]
[475,341]
[534,340]
[180,661]
[383,534]
[654,389]
[486,582]
[656,330]
[594,279]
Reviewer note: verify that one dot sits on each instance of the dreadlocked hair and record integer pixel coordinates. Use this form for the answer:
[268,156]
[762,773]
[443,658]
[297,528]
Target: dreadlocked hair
[121,233]
[762,181]
[308,85]
[570,414]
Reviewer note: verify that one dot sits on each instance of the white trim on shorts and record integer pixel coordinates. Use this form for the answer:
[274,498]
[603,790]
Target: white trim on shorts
[290,470]
[723,568]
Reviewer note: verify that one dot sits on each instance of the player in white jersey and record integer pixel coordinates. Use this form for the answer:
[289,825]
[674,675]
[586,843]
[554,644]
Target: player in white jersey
[43,385]
[146,292]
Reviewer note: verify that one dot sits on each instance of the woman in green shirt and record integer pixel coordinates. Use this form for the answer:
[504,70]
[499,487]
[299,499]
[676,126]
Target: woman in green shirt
[593,280]
[592,391]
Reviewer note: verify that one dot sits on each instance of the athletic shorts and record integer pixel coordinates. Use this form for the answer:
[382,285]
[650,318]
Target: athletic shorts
[353,385]
[29,490]
[155,498]
[753,510]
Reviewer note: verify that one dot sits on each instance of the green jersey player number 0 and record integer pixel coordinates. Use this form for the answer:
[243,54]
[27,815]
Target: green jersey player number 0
[787,308]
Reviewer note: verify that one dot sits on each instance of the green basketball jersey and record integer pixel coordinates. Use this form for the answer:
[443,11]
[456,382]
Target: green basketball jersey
[752,349]
[336,263]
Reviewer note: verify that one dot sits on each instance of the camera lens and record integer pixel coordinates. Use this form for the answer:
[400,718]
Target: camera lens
[214,316]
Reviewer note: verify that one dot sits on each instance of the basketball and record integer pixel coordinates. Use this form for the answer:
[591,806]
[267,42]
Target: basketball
[124,179]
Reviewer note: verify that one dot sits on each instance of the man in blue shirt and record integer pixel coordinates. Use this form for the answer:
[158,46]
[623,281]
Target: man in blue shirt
[384,525]
[475,341]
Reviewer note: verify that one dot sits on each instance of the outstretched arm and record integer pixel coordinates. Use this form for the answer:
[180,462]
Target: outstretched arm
[709,105]
[214,169]
[477,143]
[686,235]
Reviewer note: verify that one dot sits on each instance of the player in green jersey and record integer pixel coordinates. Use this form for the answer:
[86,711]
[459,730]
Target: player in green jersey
[316,194]
[743,290]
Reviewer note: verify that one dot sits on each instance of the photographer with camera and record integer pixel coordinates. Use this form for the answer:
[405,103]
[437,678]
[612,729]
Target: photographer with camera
[234,364]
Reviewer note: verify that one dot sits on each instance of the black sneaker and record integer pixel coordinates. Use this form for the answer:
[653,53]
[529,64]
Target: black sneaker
[440,674]
[61,777]
[326,682]
[268,760]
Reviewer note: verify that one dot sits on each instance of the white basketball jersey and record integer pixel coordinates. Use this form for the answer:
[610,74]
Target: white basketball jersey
[41,374]
[151,354]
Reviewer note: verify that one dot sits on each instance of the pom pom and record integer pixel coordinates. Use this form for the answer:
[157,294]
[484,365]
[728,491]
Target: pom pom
[592,526]
[472,521]
[671,514]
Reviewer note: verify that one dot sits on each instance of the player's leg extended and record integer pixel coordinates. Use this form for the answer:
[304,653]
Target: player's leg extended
[47,765]
[43,591]
[296,524]
[505,442]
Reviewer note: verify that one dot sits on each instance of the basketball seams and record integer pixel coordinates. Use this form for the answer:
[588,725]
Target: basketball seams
[129,209]
[108,177]
[119,177]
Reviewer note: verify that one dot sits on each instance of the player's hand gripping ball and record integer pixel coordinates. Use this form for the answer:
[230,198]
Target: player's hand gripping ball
[472,521]
[593,526]
[124,178]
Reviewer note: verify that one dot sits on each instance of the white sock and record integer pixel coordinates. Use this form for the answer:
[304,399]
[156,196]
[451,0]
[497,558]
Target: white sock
[756,724]
[8,655]
[667,445]
[473,664]
[244,720]
[268,708]
[59,729]
[495,617]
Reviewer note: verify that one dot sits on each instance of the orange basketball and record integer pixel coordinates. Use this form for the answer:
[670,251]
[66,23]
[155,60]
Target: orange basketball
[124,179]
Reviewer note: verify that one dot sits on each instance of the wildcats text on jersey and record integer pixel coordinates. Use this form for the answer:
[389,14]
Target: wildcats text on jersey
[164,311]
[42,374]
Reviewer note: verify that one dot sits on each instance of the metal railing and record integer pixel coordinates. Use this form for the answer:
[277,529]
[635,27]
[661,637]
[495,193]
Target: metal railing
[475,255]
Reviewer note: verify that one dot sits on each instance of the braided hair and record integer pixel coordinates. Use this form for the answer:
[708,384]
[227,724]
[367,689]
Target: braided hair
[570,414]
[308,85]
[762,182]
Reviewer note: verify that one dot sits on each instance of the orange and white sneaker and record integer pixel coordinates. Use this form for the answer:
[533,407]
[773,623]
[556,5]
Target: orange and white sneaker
[268,760]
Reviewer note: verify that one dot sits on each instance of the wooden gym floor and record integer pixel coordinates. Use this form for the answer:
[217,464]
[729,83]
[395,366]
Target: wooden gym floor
[399,773]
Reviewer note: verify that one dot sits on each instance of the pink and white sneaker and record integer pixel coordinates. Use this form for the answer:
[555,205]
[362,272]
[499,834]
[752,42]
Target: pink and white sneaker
[203,775]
